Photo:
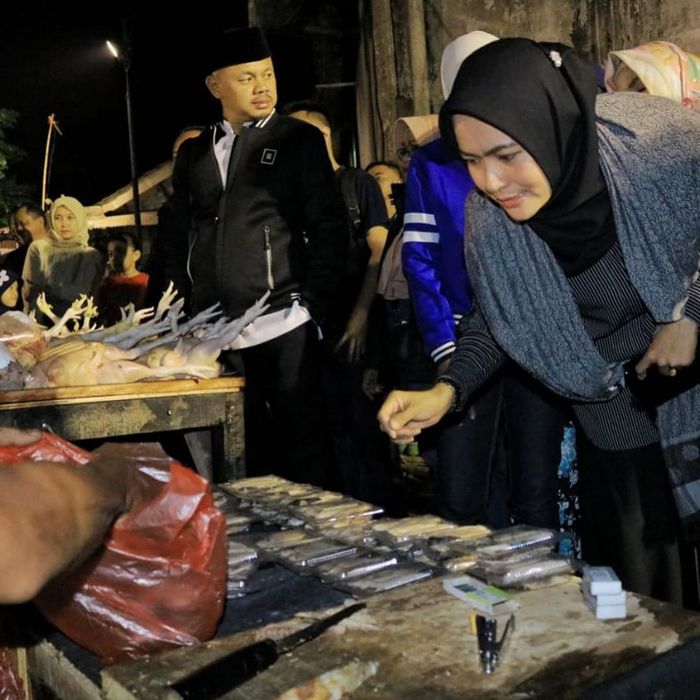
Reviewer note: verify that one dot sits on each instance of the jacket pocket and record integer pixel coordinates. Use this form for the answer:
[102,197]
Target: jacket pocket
[268,259]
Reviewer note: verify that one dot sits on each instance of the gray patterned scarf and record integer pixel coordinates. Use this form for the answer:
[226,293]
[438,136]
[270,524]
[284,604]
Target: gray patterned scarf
[649,151]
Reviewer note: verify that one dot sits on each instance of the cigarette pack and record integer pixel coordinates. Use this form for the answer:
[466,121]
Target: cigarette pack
[606,612]
[603,599]
[601,580]
[480,595]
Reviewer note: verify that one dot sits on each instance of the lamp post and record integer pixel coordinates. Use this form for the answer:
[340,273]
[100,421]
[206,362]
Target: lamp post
[125,59]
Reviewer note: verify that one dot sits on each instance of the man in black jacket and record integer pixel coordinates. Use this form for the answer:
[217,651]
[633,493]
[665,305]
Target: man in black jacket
[264,215]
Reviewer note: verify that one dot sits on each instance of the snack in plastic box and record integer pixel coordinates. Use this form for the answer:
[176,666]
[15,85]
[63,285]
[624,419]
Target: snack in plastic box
[352,567]
[286,539]
[306,556]
[459,564]
[339,510]
[406,531]
[455,542]
[526,572]
[501,565]
[519,537]
[354,531]
[238,553]
[235,522]
[255,484]
[237,588]
[316,497]
[385,580]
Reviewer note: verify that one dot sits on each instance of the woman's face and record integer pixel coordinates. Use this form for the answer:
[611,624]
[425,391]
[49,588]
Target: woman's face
[502,168]
[10,296]
[65,223]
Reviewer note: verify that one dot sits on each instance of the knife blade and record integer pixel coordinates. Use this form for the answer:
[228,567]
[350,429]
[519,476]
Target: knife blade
[231,670]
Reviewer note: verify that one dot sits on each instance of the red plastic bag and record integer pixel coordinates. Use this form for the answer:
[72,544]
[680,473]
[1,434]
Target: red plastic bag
[49,448]
[11,684]
[160,581]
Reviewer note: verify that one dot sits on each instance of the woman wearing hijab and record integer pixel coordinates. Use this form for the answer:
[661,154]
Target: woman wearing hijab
[63,266]
[658,68]
[410,133]
[9,290]
[583,253]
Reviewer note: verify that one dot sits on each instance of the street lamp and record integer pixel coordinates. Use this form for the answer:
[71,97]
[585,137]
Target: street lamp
[125,59]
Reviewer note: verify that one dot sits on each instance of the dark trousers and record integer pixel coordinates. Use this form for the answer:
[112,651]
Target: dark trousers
[468,477]
[533,420]
[286,431]
[629,521]
[466,450]
[362,450]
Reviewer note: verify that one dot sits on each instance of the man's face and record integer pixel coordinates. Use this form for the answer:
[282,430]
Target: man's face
[247,91]
[34,226]
[386,176]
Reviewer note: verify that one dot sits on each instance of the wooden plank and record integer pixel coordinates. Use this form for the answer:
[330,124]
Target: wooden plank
[84,413]
[228,442]
[51,668]
[170,387]
[98,419]
[418,52]
[420,637]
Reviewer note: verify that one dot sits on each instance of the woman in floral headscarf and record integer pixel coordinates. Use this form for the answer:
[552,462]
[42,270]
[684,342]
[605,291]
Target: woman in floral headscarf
[659,68]
[63,266]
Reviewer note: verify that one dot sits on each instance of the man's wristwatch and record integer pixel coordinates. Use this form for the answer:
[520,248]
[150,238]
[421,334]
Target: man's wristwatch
[456,393]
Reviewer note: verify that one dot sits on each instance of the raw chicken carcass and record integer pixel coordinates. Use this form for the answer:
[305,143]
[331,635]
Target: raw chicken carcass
[76,361]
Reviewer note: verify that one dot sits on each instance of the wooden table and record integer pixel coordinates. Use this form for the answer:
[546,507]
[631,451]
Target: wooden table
[419,636]
[110,410]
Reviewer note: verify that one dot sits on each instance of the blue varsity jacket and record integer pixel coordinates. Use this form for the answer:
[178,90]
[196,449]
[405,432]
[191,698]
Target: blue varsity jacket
[433,246]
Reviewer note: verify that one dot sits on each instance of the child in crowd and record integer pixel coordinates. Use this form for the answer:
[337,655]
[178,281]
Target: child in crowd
[125,283]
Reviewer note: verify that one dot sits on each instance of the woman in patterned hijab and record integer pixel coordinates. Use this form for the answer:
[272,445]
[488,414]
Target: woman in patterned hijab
[659,68]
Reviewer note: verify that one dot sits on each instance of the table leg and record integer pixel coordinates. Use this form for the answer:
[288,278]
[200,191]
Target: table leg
[228,442]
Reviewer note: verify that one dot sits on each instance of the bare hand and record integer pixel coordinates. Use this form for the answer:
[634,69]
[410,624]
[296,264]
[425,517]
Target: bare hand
[370,385]
[355,336]
[405,414]
[15,436]
[672,348]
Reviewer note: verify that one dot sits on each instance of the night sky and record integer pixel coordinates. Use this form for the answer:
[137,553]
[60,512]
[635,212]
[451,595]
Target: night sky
[57,62]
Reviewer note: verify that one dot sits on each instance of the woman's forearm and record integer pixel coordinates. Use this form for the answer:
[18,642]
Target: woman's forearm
[476,359]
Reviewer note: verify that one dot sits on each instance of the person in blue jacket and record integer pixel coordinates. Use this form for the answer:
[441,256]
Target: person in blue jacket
[441,293]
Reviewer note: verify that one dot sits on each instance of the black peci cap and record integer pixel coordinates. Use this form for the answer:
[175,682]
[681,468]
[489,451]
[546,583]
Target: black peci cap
[235,46]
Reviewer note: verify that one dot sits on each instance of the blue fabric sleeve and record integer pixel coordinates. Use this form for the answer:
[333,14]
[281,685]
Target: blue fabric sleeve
[420,258]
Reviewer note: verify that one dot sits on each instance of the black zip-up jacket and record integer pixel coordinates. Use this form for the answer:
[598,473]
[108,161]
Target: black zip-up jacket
[278,225]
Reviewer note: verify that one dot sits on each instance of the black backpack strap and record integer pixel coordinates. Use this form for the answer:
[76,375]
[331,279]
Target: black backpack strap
[348,190]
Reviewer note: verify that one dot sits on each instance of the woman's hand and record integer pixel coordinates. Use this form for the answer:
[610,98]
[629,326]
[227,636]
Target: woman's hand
[405,413]
[672,348]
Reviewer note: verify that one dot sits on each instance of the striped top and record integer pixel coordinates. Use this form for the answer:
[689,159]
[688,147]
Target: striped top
[621,327]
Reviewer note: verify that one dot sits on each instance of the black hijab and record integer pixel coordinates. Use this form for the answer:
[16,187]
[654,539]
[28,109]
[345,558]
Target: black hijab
[543,96]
